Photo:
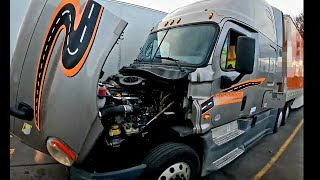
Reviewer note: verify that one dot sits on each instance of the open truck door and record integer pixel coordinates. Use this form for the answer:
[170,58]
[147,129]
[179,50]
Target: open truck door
[55,69]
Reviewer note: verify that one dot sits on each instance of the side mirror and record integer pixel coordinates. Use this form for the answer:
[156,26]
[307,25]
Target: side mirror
[245,55]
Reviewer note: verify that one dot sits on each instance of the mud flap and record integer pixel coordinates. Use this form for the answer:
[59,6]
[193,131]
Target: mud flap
[61,66]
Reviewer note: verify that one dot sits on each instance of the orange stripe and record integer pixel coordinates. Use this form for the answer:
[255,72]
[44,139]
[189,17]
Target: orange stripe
[76,69]
[39,59]
[254,80]
[229,102]
[224,103]
[260,80]
[45,71]
[249,87]
[78,15]
[208,99]
[229,95]
[208,110]
[35,83]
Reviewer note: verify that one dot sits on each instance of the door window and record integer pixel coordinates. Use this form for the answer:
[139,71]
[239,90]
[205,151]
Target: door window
[229,54]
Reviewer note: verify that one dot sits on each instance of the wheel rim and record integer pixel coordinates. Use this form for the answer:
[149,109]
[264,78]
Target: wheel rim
[287,114]
[178,171]
[279,120]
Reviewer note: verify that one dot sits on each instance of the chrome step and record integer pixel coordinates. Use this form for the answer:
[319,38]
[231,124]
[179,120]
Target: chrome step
[227,137]
[224,160]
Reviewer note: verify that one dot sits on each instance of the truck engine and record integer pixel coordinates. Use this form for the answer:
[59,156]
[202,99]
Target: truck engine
[135,113]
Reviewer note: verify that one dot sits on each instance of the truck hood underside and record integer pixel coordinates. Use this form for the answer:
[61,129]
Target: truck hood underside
[166,73]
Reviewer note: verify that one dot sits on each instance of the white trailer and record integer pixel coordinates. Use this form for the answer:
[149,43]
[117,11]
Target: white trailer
[140,21]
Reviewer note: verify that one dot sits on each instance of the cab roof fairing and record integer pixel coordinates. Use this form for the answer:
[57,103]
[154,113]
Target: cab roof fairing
[257,14]
[189,18]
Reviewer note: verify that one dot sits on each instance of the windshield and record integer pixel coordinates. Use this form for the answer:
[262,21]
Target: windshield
[186,44]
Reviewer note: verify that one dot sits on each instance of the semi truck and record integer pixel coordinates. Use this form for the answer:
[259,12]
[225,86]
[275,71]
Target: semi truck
[211,80]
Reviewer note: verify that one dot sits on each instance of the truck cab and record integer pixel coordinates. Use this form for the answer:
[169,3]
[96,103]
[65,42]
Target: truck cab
[206,86]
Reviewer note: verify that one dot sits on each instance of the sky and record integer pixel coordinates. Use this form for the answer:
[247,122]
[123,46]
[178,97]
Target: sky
[291,7]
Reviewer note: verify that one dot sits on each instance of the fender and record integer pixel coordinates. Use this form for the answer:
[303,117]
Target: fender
[183,131]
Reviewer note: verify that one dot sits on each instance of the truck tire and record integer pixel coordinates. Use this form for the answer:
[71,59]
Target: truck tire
[278,120]
[286,111]
[171,161]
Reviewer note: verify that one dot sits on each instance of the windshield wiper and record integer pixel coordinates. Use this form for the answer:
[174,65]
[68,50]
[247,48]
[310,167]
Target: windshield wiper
[171,59]
[159,45]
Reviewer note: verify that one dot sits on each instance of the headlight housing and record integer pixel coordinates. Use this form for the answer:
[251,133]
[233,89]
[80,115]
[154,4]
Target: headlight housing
[60,151]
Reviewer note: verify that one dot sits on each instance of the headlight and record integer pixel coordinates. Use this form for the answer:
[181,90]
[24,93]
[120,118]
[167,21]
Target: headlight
[60,152]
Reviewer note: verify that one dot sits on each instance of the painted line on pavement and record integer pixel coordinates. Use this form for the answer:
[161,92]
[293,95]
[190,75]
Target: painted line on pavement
[264,170]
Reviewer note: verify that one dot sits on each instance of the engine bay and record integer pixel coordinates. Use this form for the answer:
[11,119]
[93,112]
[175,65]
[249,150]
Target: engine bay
[135,112]
[128,105]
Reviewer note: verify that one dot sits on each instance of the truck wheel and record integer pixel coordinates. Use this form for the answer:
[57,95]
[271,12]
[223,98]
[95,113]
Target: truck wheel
[170,161]
[286,111]
[278,121]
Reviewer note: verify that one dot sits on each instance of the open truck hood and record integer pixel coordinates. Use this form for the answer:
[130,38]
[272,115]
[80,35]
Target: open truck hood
[55,69]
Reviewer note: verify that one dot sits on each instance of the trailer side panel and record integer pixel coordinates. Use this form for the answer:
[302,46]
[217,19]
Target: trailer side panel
[293,58]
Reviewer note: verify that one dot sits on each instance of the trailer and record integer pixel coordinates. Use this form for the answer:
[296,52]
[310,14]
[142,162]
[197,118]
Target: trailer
[211,80]
[140,21]
[293,57]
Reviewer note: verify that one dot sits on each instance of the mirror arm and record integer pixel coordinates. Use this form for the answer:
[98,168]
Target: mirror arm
[238,78]
[227,82]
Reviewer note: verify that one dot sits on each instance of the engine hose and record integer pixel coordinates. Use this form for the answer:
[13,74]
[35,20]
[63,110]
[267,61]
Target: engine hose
[107,113]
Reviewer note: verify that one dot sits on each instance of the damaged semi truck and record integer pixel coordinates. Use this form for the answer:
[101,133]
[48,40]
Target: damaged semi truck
[211,80]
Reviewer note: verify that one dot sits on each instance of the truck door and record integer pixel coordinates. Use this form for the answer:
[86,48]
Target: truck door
[57,70]
[228,103]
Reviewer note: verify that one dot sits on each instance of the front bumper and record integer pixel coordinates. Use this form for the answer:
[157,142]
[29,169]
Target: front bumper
[132,173]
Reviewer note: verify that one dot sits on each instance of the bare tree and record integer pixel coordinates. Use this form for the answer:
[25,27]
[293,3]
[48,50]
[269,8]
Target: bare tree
[299,21]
